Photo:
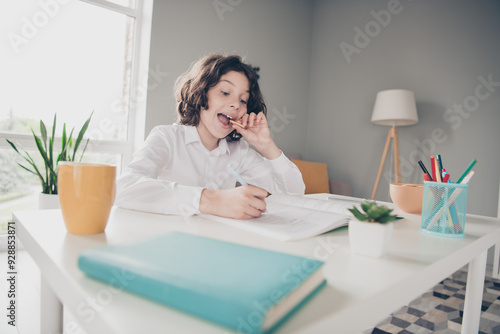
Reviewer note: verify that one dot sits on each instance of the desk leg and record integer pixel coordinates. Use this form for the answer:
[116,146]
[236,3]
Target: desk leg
[474,294]
[51,311]
[496,260]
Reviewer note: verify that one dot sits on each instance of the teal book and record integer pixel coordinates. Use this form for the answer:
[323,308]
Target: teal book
[246,289]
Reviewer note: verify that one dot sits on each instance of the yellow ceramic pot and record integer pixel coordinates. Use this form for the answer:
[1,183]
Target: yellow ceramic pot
[86,194]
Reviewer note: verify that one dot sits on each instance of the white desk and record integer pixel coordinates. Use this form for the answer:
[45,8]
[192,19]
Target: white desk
[360,291]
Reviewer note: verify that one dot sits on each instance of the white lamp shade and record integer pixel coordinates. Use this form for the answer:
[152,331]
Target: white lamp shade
[395,107]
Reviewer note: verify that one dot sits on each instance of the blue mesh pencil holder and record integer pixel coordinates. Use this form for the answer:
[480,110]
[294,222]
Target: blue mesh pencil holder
[443,209]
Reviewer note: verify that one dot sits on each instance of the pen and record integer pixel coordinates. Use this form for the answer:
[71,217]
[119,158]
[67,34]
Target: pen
[236,123]
[425,170]
[240,179]
[455,219]
[467,170]
[467,178]
[440,163]
[433,168]
[237,175]
[438,173]
[446,177]
[450,220]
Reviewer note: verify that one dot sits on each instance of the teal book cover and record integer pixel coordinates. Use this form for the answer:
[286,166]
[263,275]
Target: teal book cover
[246,289]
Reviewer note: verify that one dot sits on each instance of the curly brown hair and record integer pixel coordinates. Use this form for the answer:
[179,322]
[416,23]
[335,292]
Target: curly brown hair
[191,87]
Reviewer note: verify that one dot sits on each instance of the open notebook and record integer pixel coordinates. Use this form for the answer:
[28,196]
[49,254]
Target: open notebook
[295,217]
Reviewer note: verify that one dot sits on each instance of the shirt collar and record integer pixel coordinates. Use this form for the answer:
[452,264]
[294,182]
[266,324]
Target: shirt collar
[192,135]
[223,148]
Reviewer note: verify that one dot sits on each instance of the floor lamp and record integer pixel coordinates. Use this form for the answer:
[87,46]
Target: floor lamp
[394,107]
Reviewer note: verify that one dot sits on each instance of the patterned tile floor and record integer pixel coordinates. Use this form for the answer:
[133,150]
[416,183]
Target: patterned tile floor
[440,310]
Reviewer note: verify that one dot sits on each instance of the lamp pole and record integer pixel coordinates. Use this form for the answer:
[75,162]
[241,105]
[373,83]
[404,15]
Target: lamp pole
[391,135]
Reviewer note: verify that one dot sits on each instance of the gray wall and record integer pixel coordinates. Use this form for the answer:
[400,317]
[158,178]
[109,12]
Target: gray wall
[272,35]
[321,103]
[437,49]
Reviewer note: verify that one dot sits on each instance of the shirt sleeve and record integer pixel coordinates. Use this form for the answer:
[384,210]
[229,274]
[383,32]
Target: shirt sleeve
[138,188]
[277,176]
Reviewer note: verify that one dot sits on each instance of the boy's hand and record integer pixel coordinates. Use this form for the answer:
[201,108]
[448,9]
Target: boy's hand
[256,132]
[239,203]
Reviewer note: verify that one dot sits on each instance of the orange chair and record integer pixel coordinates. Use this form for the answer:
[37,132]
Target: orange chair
[315,176]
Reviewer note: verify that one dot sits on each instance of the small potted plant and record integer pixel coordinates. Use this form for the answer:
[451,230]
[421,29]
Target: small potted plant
[46,147]
[371,231]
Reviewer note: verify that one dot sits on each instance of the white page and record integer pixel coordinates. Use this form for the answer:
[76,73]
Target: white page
[293,221]
[331,205]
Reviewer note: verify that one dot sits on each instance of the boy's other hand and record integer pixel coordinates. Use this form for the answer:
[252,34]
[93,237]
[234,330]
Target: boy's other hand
[243,202]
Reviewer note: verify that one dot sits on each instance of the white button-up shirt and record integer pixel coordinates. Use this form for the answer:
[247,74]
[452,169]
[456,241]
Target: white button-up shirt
[168,174]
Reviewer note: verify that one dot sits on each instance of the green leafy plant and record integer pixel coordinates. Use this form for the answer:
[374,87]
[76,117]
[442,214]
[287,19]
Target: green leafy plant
[374,213]
[45,146]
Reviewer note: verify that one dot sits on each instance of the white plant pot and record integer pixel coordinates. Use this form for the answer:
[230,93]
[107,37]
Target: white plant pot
[369,239]
[48,201]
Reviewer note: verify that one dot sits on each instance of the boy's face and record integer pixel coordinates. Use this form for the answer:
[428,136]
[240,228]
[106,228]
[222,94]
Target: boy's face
[226,100]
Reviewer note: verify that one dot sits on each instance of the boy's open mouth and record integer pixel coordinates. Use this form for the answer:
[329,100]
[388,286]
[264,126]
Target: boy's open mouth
[224,119]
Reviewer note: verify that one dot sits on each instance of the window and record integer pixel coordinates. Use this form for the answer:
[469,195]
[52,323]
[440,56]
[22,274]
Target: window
[70,58]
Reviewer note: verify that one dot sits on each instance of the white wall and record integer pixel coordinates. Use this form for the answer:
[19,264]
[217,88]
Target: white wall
[437,49]
[272,35]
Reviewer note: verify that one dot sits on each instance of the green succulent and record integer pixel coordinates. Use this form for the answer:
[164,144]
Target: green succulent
[374,213]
